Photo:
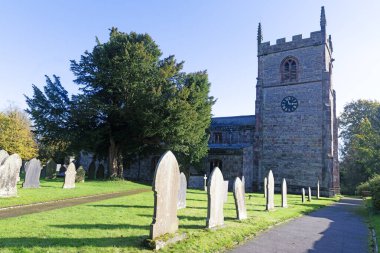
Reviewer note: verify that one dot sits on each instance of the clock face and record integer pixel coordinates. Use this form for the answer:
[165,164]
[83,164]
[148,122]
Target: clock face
[289,104]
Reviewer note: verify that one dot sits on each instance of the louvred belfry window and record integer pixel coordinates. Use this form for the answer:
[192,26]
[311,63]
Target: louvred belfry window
[289,70]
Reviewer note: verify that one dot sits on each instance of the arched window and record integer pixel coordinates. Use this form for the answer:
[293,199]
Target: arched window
[289,70]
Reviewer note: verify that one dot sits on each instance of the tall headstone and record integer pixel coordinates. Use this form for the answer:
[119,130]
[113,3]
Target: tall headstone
[239,196]
[9,171]
[3,155]
[51,169]
[215,197]
[225,191]
[318,195]
[284,192]
[270,192]
[265,187]
[70,177]
[205,182]
[91,170]
[309,195]
[165,187]
[303,195]
[32,174]
[182,191]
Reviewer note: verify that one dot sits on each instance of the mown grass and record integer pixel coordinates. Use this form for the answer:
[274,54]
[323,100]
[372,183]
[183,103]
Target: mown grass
[122,225]
[373,218]
[52,190]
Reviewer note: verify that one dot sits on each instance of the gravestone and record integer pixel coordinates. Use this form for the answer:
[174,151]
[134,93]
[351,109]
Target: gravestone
[3,155]
[70,177]
[32,174]
[51,169]
[284,192]
[225,191]
[80,176]
[165,187]
[239,196]
[100,172]
[270,192]
[303,195]
[318,195]
[265,187]
[182,191]
[243,181]
[91,170]
[9,172]
[309,195]
[205,182]
[215,199]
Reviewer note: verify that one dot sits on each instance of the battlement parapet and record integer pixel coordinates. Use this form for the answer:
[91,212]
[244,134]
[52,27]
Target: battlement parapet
[316,38]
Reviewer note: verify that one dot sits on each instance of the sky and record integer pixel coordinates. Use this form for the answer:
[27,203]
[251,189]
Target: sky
[40,37]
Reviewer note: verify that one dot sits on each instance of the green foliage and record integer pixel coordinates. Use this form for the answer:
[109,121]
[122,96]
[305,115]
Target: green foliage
[362,187]
[81,173]
[360,134]
[16,135]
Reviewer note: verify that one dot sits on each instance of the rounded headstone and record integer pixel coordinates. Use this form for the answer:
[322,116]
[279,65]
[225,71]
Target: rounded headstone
[215,196]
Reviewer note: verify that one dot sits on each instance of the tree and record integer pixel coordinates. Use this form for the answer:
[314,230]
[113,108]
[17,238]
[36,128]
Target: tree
[16,135]
[360,132]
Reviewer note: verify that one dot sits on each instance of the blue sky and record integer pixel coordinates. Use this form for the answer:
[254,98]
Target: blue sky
[39,38]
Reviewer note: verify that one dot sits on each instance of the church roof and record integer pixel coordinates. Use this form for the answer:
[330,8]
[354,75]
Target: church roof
[243,120]
[229,146]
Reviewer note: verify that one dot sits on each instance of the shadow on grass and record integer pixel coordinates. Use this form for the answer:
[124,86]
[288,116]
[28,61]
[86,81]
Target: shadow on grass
[100,226]
[122,206]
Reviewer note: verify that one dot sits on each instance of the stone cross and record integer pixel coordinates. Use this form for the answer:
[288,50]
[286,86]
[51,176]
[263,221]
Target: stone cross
[205,182]
[270,192]
[318,190]
[303,195]
[9,171]
[284,191]
[239,196]
[32,174]
[215,197]
[182,191]
[70,177]
[309,195]
[165,188]
[265,187]
[225,191]
[51,169]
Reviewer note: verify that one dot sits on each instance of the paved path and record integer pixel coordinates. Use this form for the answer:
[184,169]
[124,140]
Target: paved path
[332,229]
[46,206]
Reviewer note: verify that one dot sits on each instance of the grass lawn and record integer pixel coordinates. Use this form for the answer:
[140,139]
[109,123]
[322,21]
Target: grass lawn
[52,190]
[373,219]
[122,224]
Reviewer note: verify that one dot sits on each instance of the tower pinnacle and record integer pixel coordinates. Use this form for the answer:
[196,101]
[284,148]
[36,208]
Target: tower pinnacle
[323,19]
[259,35]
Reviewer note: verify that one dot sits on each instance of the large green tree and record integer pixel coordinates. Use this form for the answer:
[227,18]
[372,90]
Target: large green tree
[360,135]
[132,102]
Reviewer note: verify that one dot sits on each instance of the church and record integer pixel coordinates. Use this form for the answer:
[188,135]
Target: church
[294,131]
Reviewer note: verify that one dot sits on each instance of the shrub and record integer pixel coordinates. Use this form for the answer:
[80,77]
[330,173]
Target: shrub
[362,188]
[374,186]
[79,178]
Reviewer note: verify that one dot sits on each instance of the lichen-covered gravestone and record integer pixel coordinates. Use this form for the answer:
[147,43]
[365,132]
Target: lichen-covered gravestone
[309,195]
[239,196]
[182,191]
[51,169]
[215,197]
[70,177]
[284,192]
[9,171]
[303,195]
[265,187]
[318,193]
[32,174]
[80,176]
[165,187]
[270,192]
[225,191]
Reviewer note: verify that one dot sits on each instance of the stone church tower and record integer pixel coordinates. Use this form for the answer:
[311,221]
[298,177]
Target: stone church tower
[296,126]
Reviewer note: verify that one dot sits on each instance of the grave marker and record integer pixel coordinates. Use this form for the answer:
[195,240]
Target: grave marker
[303,195]
[182,191]
[9,171]
[32,174]
[284,192]
[215,197]
[70,177]
[265,187]
[309,195]
[239,196]
[270,192]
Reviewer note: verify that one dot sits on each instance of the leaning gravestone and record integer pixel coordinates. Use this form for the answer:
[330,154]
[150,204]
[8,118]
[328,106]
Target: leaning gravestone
[165,187]
[309,195]
[70,177]
[225,191]
[239,196]
[265,187]
[318,193]
[182,191]
[303,195]
[91,170]
[284,192]
[100,172]
[51,169]
[32,174]
[270,192]
[215,197]
[9,171]
[3,155]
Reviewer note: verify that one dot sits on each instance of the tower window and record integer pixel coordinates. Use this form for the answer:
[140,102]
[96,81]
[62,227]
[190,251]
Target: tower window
[289,70]
[218,137]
